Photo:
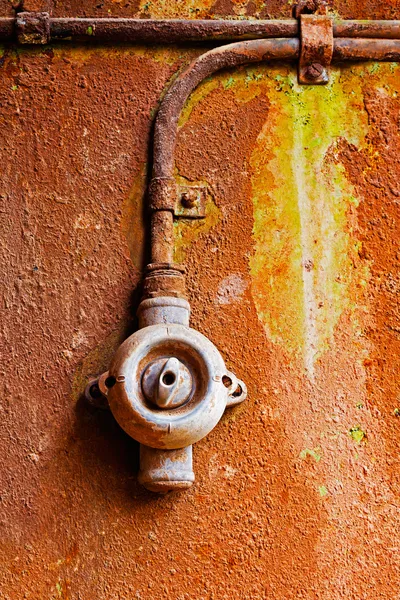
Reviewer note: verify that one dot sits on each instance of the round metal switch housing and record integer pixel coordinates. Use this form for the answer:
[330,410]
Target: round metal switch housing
[202,398]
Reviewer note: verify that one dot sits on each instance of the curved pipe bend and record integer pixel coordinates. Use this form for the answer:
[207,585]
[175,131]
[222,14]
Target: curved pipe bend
[231,55]
[166,126]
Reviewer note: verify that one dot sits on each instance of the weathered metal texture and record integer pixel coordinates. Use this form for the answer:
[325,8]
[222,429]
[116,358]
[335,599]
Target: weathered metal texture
[307,7]
[316,475]
[368,28]
[166,126]
[165,309]
[167,387]
[172,31]
[233,55]
[171,427]
[316,49]
[180,31]
[168,32]
[33,28]
[367,49]
[167,382]
[164,279]
[206,9]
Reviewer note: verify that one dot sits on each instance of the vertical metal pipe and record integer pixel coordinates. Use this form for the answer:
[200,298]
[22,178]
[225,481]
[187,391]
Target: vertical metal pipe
[162,236]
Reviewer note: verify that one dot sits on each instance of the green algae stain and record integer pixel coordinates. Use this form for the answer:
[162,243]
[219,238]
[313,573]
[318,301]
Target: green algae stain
[302,267]
[315,453]
[229,83]
[323,491]
[357,434]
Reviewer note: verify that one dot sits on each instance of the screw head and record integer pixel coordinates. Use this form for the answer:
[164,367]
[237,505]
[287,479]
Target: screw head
[314,71]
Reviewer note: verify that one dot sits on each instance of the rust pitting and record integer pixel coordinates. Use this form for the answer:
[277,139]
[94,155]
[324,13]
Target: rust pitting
[33,28]
[85,491]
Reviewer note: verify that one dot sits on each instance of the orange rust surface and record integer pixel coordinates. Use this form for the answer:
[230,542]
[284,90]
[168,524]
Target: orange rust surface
[187,9]
[297,490]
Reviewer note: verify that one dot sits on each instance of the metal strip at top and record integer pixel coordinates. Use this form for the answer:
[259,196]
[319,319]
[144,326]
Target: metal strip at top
[180,31]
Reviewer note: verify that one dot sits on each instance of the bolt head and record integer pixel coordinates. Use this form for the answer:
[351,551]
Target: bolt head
[314,71]
[189,199]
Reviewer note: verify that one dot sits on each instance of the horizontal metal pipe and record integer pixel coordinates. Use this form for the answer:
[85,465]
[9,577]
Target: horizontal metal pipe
[173,31]
[367,29]
[7,29]
[169,31]
[357,49]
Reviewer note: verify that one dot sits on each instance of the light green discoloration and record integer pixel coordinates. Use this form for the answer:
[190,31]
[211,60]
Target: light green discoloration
[89,30]
[315,453]
[357,434]
[322,491]
[303,266]
[229,83]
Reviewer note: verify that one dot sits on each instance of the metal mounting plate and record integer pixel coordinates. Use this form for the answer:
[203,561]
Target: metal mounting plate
[191,202]
[316,49]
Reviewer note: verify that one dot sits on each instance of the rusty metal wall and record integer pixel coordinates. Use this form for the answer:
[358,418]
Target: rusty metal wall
[294,274]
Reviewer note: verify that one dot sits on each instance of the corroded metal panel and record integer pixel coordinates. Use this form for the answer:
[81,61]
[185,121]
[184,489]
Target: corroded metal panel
[294,274]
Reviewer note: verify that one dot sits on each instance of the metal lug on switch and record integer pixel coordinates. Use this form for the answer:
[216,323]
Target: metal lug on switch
[97,390]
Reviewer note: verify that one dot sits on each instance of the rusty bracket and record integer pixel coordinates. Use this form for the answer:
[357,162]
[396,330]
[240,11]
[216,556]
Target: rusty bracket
[184,201]
[191,202]
[33,27]
[316,49]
